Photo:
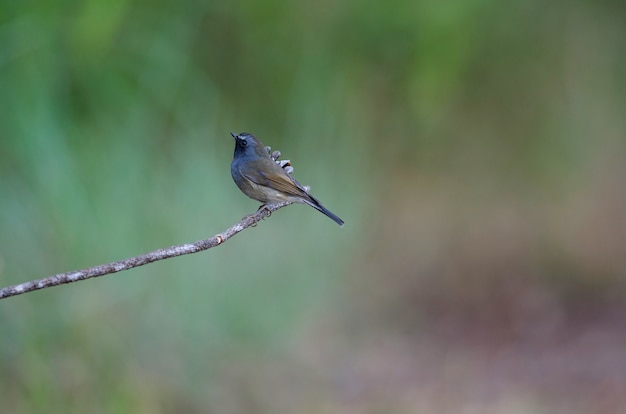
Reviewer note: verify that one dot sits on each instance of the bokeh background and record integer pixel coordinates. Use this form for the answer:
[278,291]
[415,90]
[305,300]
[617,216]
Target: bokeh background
[476,150]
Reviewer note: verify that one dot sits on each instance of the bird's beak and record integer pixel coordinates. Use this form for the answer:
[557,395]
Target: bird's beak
[232,134]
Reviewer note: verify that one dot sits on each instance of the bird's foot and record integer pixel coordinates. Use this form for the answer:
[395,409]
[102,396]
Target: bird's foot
[265,207]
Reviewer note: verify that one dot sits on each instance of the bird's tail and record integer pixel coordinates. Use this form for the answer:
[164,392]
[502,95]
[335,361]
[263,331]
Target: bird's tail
[319,207]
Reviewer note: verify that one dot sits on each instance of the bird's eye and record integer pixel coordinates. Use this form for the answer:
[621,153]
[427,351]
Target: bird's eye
[244,142]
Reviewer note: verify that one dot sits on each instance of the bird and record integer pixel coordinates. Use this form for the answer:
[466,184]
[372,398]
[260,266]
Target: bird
[260,177]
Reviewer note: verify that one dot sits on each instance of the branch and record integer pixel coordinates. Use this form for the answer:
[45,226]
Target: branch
[161,254]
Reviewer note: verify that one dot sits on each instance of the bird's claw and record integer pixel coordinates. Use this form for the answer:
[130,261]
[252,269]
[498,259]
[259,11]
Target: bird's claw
[266,208]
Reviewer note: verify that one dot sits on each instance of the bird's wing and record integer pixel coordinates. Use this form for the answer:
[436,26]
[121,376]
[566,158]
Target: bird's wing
[277,179]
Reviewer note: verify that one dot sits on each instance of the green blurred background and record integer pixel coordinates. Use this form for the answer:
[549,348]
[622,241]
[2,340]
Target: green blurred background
[474,148]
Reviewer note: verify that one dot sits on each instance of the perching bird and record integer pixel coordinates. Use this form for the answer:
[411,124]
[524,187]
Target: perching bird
[259,177]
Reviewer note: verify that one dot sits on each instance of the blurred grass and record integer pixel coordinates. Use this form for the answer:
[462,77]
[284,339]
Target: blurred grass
[474,149]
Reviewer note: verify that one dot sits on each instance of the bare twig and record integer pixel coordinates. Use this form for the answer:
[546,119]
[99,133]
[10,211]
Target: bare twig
[114,267]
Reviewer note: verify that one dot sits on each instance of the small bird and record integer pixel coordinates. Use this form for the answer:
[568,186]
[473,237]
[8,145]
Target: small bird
[259,177]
